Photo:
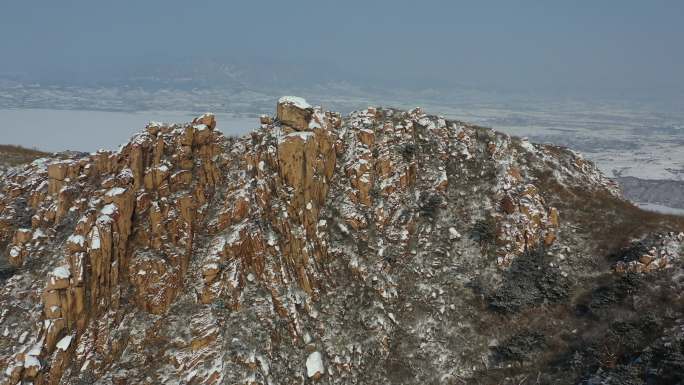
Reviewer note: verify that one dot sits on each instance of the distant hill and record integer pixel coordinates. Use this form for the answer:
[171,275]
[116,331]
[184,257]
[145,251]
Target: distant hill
[668,193]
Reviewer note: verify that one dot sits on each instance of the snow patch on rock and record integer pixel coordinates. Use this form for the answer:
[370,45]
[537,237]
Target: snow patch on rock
[314,364]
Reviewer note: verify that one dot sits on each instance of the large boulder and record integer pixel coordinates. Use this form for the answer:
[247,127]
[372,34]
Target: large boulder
[294,112]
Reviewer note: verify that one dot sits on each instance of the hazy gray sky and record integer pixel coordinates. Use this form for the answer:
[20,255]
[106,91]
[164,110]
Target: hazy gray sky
[573,46]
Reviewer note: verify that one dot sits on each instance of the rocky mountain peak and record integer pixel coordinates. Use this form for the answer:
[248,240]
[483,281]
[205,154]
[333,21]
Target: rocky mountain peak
[380,247]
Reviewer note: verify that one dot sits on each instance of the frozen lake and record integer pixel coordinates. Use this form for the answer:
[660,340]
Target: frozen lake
[58,130]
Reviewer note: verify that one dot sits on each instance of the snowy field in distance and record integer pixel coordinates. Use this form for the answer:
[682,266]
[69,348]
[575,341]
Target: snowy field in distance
[660,208]
[58,130]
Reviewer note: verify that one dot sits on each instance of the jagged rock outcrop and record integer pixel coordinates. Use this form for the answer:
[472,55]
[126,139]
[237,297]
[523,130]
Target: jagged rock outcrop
[294,113]
[376,248]
[132,218]
[657,252]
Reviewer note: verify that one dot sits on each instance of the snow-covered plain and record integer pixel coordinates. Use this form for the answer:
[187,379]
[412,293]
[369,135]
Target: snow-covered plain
[660,208]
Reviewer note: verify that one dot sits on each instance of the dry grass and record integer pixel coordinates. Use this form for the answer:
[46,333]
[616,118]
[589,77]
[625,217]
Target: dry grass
[600,328]
[611,221]
[15,155]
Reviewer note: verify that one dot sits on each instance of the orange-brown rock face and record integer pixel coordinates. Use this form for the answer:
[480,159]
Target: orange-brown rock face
[132,216]
[294,113]
[306,251]
[288,180]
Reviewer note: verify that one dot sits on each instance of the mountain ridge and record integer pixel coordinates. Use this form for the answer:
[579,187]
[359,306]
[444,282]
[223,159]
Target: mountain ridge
[381,247]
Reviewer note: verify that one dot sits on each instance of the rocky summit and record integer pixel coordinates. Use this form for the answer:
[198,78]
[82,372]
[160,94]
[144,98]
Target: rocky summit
[382,247]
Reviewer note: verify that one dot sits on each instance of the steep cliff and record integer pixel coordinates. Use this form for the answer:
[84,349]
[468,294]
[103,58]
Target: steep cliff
[381,247]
